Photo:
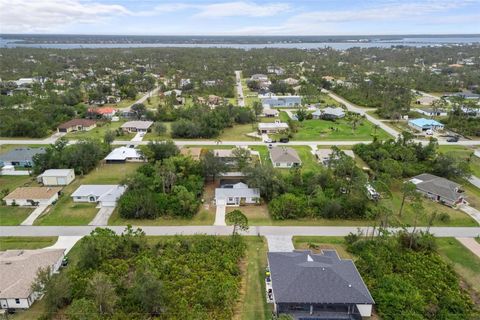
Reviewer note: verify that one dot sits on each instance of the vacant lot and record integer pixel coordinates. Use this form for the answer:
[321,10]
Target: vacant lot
[67,212]
[11,243]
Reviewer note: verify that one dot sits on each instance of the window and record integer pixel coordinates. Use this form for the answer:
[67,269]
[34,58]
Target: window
[17,301]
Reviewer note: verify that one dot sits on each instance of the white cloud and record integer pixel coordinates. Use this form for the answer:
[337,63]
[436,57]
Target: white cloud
[24,16]
[241,8]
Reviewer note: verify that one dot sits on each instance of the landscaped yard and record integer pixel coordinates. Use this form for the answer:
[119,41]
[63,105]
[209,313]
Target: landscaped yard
[99,132]
[11,243]
[13,216]
[67,212]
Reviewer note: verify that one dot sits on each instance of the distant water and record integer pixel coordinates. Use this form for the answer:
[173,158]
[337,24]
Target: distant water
[413,42]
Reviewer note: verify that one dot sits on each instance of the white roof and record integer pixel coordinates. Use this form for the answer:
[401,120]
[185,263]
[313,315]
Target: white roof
[273,125]
[102,191]
[238,190]
[56,172]
[137,124]
[123,153]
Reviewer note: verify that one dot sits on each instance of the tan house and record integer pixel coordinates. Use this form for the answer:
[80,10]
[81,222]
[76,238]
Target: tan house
[77,125]
[32,196]
[283,157]
[56,177]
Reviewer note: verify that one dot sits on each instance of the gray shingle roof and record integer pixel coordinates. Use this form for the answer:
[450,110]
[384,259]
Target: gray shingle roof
[436,185]
[21,154]
[303,277]
[283,154]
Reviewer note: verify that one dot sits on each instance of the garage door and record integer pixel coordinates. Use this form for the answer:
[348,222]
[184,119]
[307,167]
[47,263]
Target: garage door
[61,181]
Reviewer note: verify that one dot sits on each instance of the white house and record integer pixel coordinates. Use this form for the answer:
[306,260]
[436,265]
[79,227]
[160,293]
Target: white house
[56,177]
[432,112]
[105,195]
[283,157]
[329,113]
[32,196]
[124,154]
[236,194]
[272,127]
[136,126]
[18,270]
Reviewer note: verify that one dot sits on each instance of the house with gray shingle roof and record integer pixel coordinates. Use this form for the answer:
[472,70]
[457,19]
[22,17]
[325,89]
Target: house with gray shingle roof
[283,157]
[439,189]
[20,157]
[236,194]
[317,286]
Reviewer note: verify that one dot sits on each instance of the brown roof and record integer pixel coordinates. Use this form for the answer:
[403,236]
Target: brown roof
[192,152]
[33,193]
[77,122]
[19,270]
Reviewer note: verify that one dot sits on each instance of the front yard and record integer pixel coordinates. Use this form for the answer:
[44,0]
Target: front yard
[13,216]
[17,243]
[99,132]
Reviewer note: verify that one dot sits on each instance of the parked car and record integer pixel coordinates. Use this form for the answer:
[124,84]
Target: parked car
[284,140]
[268,140]
[452,139]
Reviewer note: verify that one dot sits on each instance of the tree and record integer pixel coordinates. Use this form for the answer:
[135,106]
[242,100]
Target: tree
[159,128]
[287,206]
[82,309]
[265,178]
[139,110]
[58,292]
[160,150]
[355,119]
[213,166]
[103,293]
[408,190]
[147,292]
[257,109]
[301,114]
[242,158]
[238,219]
[109,137]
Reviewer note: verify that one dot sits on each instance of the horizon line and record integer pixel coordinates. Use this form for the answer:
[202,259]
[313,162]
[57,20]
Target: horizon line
[241,35]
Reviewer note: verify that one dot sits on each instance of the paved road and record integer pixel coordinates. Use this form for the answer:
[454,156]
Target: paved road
[238,85]
[465,232]
[143,98]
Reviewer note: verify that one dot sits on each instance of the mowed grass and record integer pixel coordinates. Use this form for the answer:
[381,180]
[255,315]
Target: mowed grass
[464,153]
[13,215]
[318,243]
[12,243]
[309,162]
[465,263]
[99,132]
[239,132]
[13,182]
[4,148]
[253,304]
[67,212]
[203,218]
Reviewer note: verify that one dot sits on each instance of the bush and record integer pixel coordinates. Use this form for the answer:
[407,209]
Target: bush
[287,206]
[444,217]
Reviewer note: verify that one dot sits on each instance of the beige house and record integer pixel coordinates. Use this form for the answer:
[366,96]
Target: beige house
[77,125]
[272,127]
[136,126]
[56,177]
[32,196]
[283,157]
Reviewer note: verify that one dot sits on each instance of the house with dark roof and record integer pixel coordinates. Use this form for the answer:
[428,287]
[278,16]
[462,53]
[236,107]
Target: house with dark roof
[283,157]
[22,157]
[317,286]
[77,125]
[439,189]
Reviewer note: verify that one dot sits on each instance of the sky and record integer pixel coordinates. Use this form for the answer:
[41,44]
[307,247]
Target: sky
[242,17]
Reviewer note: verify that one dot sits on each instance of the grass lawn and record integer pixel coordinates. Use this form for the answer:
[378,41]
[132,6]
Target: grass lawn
[99,132]
[314,130]
[263,151]
[34,312]
[154,136]
[12,182]
[13,216]
[249,96]
[309,162]
[11,243]
[465,263]
[317,243]
[239,133]
[67,212]
[464,153]
[4,148]
[253,304]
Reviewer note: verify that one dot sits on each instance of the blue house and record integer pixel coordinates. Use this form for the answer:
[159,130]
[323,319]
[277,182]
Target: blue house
[423,124]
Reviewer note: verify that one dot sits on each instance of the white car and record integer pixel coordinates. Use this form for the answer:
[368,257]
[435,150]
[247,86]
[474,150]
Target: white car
[268,140]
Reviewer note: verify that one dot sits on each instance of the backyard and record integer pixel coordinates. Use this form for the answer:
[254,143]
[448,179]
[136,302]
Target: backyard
[67,212]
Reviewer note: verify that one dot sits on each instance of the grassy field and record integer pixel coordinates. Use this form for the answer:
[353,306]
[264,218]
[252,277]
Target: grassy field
[11,243]
[239,133]
[13,216]
[67,212]
[99,132]
[465,263]
[12,182]
[309,162]
[465,153]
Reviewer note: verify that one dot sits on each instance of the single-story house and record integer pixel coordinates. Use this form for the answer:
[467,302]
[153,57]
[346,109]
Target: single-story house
[329,113]
[317,286]
[270,113]
[191,152]
[271,100]
[323,155]
[104,112]
[423,124]
[236,194]
[32,196]
[426,100]
[290,81]
[20,157]
[56,177]
[272,127]
[104,195]
[124,154]
[136,126]
[431,112]
[176,92]
[259,77]
[77,125]
[439,189]
[18,270]
[283,157]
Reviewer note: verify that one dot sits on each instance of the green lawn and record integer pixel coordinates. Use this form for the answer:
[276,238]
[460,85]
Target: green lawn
[309,162]
[465,153]
[11,243]
[4,148]
[203,218]
[13,216]
[239,133]
[263,151]
[99,132]
[249,96]
[67,212]
[465,263]
[154,136]
[317,243]
[253,304]
[12,182]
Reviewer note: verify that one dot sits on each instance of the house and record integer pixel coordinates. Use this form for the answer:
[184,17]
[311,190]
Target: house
[18,270]
[22,157]
[271,100]
[259,77]
[102,112]
[77,125]
[323,155]
[272,127]
[136,126]
[236,194]
[104,195]
[317,286]
[423,124]
[176,92]
[329,113]
[270,113]
[56,177]
[32,196]
[431,112]
[283,157]
[276,70]
[439,189]
[124,154]
[191,152]
[426,100]
[290,81]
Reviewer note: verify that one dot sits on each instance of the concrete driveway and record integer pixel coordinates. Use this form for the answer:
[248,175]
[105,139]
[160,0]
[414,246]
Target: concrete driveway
[101,219]
[220,215]
[33,216]
[65,242]
[280,243]
[472,212]
[475,181]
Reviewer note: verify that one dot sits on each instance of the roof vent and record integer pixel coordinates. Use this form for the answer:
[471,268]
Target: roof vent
[309,258]
[349,285]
